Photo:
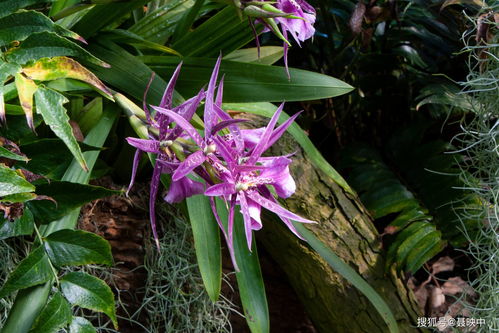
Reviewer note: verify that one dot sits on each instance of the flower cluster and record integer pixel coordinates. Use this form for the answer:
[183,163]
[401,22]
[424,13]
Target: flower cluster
[225,162]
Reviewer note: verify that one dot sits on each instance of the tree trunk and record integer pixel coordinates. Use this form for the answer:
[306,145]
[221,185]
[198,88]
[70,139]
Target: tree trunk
[346,227]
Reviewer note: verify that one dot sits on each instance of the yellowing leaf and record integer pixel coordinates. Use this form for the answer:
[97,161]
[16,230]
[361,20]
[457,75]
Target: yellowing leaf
[26,88]
[478,3]
[47,69]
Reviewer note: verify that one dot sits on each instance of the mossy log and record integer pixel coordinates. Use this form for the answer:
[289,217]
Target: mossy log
[334,305]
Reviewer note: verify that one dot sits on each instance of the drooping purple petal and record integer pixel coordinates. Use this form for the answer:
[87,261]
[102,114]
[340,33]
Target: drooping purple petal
[144,100]
[184,188]
[190,163]
[166,100]
[285,47]
[184,124]
[217,217]
[273,207]
[230,225]
[152,201]
[246,217]
[149,146]
[209,113]
[135,166]
[255,211]
[225,123]
[260,146]
[186,110]
[218,190]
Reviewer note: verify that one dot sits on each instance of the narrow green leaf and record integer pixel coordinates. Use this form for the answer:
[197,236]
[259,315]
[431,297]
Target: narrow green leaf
[33,270]
[206,235]
[187,20]
[77,247]
[29,302]
[20,25]
[26,88]
[12,183]
[90,293]
[55,315]
[81,325]
[68,197]
[48,44]
[249,82]
[350,275]
[267,110]
[125,36]
[10,6]
[426,249]
[50,104]
[410,242]
[5,153]
[19,227]
[268,55]
[249,278]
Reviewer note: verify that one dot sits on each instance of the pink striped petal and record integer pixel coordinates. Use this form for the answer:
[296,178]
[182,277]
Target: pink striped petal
[191,162]
[149,146]
[273,207]
[222,189]
[184,124]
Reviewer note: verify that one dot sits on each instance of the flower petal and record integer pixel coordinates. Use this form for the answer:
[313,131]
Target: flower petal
[246,216]
[166,100]
[184,124]
[209,113]
[149,146]
[274,207]
[218,190]
[261,145]
[152,201]
[279,131]
[184,188]
[135,166]
[191,162]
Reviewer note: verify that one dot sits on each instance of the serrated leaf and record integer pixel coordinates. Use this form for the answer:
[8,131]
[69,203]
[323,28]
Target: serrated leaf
[47,69]
[77,247]
[81,325]
[26,88]
[19,227]
[50,104]
[410,242]
[33,270]
[10,6]
[12,183]
[48,44]
[89,292]
[18,26]
[68,197]
[206,235]
[55,315]
[5,153]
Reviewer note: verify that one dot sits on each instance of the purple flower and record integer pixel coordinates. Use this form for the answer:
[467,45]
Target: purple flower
[300,29]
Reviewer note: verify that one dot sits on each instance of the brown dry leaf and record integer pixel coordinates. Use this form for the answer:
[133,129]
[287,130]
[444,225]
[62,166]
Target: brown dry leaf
[443,264]
[437,297]
[421,297]
[456,285]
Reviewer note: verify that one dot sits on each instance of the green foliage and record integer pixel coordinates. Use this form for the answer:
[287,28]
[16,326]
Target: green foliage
[55,315]
[21,226]
[12,183]
[417,240]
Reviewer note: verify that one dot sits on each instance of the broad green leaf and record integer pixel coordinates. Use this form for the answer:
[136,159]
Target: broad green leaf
[10,6]
[248,82]
[68,197]
[206,235]
[224,32]
[89,116]
[33,270]
[55,68]
[124,36]
[81,325]
[77,247]
[267,110]
[426,249]
[350,275]
[19,227]
[268,55]
[50,104]
[5,153]
[12,183]
[249,278]
[20,25]
[29,302]
[56,315]
[128,74]
[48,44]
[89,292]
[19,197]
[26,88]
[409,243]
[100,16]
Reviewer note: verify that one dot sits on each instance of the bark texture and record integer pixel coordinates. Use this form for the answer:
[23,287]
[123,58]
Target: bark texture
[346,227]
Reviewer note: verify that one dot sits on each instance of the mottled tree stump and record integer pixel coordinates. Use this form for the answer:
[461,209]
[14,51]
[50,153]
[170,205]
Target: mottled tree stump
[346,227]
